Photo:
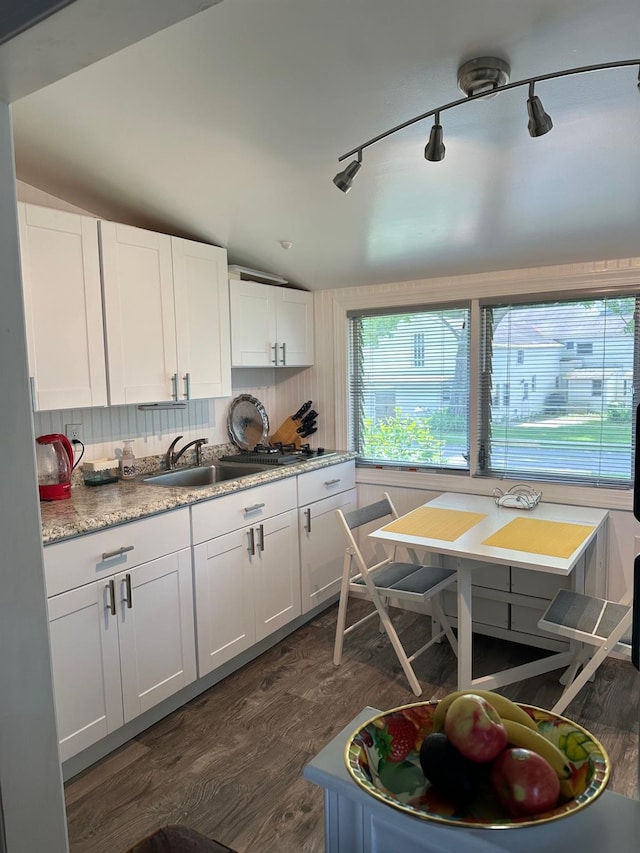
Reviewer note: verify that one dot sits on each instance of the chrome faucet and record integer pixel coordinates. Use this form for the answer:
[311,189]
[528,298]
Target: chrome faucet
[172,457]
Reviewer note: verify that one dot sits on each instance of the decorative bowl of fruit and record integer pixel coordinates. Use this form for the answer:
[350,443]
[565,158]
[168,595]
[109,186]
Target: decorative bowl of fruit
[476,759]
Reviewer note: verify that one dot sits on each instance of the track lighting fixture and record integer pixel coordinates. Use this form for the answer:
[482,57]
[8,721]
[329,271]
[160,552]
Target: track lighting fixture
[539,121]
[434,149]
[478,78]
[343,180]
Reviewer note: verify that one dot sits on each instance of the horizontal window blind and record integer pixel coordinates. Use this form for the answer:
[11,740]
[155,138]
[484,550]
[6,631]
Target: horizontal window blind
[558,388]
[409,387]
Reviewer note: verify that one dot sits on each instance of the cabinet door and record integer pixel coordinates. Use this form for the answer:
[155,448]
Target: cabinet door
[139,309]
[156,631]
[201,291]
[85,665]
[276,573]
[63,308]
[224,599]
[322,548]
[253,324]
[294,315]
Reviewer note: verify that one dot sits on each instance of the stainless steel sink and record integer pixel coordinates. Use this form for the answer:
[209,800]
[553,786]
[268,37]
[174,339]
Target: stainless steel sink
[205,475]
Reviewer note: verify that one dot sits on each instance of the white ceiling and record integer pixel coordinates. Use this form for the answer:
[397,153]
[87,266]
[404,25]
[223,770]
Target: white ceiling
[227,127]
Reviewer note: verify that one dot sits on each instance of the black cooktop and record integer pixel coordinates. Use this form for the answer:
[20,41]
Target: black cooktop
[278,454]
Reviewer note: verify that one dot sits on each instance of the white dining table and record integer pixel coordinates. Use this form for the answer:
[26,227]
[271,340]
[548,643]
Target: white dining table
[474,531]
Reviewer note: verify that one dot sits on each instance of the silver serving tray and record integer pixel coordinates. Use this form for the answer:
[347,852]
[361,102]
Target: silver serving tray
[247,422]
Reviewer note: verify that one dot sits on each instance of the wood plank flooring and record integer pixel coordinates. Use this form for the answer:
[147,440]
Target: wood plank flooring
[229,764]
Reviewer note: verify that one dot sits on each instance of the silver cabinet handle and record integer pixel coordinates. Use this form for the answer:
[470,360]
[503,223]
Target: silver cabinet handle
[32,391]
[283,347]
[274,360]
[261,537]
[187,386]
[111,586]
[252,542]
[253,508]
[106,555]
[128,597]
[307,520]
[174,387]
[331,482]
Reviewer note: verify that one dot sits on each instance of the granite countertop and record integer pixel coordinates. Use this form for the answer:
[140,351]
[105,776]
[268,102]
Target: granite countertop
[93,508]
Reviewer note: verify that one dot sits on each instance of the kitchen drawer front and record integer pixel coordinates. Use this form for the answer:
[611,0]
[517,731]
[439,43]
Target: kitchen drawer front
[525,620]
[316,485]
[485,611]
[488,576]
[78,561]
[538,584]
[250,506]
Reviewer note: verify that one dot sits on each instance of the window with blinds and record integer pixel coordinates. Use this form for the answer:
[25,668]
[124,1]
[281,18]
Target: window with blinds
[557,390]
[409,387]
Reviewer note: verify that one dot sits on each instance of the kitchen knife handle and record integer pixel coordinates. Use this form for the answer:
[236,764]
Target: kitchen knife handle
[274,360]
[283,347]
[302,430]
[309,432]
[304,408]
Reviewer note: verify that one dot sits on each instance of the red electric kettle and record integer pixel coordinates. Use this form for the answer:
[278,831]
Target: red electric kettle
[54,461]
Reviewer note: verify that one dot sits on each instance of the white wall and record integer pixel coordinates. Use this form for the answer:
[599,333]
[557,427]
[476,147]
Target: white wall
[30,779]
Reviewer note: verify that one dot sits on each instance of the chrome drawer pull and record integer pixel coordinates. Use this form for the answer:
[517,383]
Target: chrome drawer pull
[127,583]
[253,508]
[307,520]
[283,347]
[261,537]
[331,482]
[274,360]
[111,586]
[252,542]
[187,386]
[107,555]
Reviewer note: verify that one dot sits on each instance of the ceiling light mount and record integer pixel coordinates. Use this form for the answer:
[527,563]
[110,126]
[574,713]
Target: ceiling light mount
[482,76]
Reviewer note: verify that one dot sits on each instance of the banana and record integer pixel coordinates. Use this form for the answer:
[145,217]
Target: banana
[505,708]
[528,739]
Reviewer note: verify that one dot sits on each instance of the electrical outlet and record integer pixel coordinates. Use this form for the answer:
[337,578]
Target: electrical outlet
[73,432]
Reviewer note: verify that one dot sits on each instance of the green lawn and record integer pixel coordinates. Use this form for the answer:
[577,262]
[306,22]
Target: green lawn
[587,430]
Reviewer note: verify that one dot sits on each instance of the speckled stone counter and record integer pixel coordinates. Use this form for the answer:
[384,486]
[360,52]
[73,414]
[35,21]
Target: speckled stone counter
[93,508]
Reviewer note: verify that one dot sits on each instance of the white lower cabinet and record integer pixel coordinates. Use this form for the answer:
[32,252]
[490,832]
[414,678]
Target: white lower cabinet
[322,546]
[125,642]
[247,581]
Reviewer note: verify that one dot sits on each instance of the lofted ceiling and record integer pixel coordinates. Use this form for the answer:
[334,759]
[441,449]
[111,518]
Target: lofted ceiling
[227,127]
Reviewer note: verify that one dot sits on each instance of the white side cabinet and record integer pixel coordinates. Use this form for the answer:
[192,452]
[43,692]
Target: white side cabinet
[121,624]
[63,308]
[166,303]
[322,546]
[270,326]
[247,577]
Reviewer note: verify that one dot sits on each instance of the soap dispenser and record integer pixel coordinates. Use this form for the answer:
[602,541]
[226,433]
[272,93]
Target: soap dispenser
[127,461]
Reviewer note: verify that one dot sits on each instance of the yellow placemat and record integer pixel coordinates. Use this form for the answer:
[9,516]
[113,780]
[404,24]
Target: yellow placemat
[537,536]
[446,524]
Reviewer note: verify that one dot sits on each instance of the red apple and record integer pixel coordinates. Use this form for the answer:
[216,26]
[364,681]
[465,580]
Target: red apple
[524,782]
[475,729]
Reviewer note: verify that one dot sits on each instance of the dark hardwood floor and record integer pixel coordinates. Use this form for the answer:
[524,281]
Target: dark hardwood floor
[229,764]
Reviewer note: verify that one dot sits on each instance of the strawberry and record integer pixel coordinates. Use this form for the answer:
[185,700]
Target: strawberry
[398,739]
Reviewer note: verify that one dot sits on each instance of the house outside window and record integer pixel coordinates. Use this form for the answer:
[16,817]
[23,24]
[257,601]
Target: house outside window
[418,349]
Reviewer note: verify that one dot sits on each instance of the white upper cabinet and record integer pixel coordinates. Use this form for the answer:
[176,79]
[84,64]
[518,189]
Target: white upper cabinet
[63,308]
[166,316]
[270,326]
[202,319]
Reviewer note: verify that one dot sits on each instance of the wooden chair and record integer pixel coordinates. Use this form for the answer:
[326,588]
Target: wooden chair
[595,622]
[389,582]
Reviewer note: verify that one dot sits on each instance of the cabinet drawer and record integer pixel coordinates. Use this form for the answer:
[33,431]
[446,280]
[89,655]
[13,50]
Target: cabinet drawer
[485,611]
[250,506]
[484,575]
[525,619]
[538,584]
[78,561]
[316,485]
